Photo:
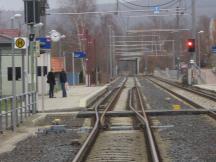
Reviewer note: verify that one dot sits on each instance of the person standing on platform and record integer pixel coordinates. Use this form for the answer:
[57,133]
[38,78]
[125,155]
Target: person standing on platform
[63,80]
[51,82]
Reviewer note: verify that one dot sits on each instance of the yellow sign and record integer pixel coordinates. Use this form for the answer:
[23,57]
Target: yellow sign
[20,43]
[176,107]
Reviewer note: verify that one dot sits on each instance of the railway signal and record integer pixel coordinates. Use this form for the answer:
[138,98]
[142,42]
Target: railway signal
[191,45]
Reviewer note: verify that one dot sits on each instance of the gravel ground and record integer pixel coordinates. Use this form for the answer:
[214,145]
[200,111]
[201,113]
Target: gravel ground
[116,83]
[182,138]
[159,99]
[52,147]
[192,138]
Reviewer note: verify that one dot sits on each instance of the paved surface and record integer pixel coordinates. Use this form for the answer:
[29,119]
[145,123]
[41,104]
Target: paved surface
[209,76]
[9,139]
[211,87]
[72,101]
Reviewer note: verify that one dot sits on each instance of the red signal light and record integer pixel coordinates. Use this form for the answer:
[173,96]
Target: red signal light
[191,45]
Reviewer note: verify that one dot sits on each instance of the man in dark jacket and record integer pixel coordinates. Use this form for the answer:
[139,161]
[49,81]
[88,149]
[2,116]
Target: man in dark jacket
[51,81]
[63,80]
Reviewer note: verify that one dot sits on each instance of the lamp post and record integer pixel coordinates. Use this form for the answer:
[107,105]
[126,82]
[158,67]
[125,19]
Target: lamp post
[110,52]
[199,43]
[13,111]
[16,16]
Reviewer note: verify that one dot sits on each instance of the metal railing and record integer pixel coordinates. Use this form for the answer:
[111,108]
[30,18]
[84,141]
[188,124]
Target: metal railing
[25,106]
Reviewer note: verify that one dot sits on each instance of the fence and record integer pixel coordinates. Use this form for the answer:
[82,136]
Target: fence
[25,106]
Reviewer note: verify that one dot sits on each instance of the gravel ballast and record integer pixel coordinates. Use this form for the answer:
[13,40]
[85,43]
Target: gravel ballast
[181,138]
[51,147]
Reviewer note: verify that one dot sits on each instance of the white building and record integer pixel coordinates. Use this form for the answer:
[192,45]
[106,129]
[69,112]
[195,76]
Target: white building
[6,38]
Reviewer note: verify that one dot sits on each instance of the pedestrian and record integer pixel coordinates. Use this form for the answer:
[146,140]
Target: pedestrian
[51,82]
[63,80]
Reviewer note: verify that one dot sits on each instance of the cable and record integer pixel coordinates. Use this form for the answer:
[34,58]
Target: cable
[123,4]
[159,5]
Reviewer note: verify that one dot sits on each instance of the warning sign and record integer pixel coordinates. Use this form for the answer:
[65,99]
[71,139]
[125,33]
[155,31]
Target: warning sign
[20,43]
[176,107]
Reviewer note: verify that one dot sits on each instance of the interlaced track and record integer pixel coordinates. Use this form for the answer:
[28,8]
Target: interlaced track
[120,138]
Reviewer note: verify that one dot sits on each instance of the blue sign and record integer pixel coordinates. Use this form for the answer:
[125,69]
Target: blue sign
[214,49]
[45,43]
[156,10]
[79,54]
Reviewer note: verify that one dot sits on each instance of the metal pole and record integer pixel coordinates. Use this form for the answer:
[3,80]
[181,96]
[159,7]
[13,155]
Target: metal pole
[42,82]
[12,22]
[20,28]
[194,24]
[36,79]
[0,74]
[43,33]
[59,49]
[26,66]
[113,57]
[33,64]
[23,72]
[73,69]
[177,42]
[193,57]
[137,61]
[110,55]
[199,47]
[173,50]
[13,88]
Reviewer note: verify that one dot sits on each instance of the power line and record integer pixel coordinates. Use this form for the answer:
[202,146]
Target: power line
[151,6]
[123,4]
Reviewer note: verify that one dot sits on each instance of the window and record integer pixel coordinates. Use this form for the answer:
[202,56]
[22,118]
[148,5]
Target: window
[39,70]
[17,73]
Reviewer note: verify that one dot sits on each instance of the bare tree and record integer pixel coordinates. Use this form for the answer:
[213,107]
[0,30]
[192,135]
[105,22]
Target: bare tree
[204,42]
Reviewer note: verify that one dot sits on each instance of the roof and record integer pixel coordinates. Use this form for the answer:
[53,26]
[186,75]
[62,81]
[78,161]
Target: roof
[10,32]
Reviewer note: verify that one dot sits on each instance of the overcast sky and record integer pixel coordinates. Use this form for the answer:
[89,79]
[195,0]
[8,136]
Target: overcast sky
[18,4]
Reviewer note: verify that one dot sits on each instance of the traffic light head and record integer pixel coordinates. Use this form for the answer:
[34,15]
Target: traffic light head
[191,45]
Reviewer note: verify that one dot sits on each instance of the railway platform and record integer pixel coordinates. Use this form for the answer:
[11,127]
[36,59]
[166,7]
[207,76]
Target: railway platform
[68,107]
[75,95]
[210,87]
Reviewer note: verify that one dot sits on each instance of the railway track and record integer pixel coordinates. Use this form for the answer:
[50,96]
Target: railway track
[133,131]
[120,139]
[196,98]
[180,136]
[202,92]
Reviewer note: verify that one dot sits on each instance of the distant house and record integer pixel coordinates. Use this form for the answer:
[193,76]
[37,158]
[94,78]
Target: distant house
[6,38]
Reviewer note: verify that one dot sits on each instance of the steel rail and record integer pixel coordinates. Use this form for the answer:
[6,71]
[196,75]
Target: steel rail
[110,104]
[198,92]
[211,112]
[81,155]
[92,136]
[144,119]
